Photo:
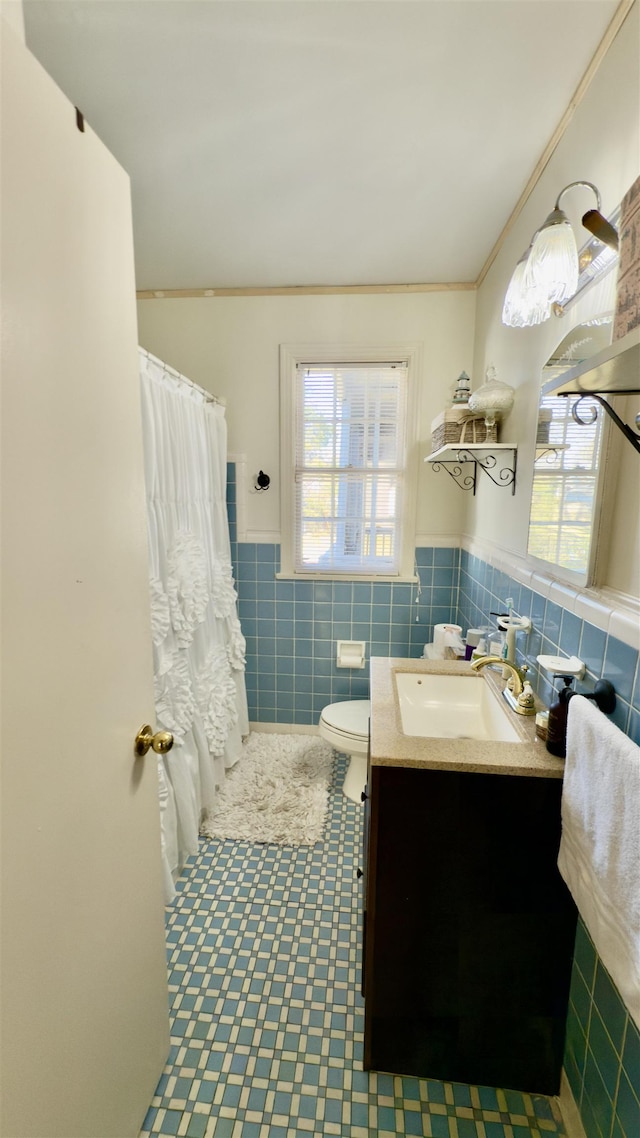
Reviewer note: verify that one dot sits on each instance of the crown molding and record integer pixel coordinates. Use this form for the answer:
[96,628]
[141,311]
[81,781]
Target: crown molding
[617,20]
[304,290]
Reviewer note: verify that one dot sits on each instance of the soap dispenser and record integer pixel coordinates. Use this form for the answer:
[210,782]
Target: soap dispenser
[557,729]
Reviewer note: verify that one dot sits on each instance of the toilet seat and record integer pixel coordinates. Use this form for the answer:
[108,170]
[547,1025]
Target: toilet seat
[346,725]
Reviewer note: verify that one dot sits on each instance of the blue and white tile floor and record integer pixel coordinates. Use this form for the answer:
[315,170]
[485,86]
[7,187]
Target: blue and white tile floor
[266,1012]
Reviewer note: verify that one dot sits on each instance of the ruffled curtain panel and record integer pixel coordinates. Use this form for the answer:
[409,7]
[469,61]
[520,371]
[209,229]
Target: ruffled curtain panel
[198,647]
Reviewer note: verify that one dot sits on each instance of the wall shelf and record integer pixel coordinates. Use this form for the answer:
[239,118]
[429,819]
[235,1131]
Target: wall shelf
[614,371]
[498,460]
[551,449]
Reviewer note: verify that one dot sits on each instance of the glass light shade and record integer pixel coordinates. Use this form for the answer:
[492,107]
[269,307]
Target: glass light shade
[493,399]
[524,306]
[553,261]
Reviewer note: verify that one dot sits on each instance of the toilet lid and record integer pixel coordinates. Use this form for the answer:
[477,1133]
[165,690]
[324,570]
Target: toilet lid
[352,716]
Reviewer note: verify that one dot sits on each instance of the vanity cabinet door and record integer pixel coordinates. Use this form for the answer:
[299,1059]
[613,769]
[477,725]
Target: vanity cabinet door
[366,828]
[470,929]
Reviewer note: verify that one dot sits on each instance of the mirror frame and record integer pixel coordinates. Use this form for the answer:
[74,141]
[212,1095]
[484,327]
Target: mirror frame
[586,577]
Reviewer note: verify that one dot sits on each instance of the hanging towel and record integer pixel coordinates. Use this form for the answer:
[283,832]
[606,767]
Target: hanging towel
[600,848]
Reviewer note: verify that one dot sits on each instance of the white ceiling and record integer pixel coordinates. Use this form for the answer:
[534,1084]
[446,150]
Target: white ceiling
[306,142]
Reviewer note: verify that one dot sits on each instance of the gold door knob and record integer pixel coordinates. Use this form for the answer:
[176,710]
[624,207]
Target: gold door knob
[161,742]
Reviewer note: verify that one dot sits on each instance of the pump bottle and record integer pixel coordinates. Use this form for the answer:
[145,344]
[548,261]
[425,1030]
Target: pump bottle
[557,729]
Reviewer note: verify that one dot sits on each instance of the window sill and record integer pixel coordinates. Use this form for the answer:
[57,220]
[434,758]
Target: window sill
[356,578]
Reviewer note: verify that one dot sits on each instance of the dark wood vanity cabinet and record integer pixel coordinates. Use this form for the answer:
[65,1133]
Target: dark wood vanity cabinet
[468,928]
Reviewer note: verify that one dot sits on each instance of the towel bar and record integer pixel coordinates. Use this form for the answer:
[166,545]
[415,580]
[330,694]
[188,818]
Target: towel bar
[603,694]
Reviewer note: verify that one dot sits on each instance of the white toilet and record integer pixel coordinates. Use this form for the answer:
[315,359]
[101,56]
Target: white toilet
[346,727]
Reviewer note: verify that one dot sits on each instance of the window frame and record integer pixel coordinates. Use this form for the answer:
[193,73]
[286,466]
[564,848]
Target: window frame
[595,308]
[548,470]
[291,355]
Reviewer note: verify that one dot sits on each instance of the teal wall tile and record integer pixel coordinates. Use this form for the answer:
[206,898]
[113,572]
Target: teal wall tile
[621,715]
[609,1006]
[580,1009]
[570,632]
[589,1121]
[617,1131]
[575,1052]
[298,622]
[585,956]
[631,1053]
[602,1050]
[620,664]
[628,1106]
[552,619]
[592,647]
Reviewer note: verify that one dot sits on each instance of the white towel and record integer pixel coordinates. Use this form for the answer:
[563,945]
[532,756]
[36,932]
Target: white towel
[600,848]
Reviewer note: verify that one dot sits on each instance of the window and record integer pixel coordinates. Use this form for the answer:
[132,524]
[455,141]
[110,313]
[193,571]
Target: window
[575,474]
[348,485]
[564,488]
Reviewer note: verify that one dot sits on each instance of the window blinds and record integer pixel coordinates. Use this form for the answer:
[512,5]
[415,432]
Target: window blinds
[350,466]
[564,489]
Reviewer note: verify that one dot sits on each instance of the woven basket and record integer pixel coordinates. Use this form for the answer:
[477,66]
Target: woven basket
[473,431]
[446,434]
[456,427]
[544,423]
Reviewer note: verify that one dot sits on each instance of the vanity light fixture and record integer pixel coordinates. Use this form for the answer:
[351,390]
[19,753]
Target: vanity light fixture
[547,274]
[523,307]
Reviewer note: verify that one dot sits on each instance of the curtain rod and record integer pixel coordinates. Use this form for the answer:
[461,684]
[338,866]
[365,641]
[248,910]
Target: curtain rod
[209,398]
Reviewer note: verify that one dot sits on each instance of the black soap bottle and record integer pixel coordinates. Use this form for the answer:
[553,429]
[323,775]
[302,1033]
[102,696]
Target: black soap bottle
[557,730]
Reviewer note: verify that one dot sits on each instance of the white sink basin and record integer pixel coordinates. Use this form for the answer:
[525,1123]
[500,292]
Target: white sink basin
[452,707]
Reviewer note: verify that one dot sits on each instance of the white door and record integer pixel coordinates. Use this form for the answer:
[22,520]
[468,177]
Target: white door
[84,1013]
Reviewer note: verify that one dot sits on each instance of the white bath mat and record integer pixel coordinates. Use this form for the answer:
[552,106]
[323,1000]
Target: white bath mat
[277,792]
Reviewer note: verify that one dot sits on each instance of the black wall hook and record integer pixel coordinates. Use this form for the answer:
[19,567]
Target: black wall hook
[263,481]
[603,695]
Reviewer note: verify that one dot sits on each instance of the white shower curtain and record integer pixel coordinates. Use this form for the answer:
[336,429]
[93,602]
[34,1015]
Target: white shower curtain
[198,646]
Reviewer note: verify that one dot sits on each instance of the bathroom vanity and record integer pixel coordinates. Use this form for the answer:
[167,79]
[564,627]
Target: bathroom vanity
[468,926]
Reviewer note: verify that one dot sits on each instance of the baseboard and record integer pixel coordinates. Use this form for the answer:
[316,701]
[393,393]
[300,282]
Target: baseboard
[285,728]
[569,1110]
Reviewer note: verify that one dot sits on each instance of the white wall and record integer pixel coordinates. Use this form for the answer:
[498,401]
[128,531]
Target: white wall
[601,145]
[11,11]
[230,345]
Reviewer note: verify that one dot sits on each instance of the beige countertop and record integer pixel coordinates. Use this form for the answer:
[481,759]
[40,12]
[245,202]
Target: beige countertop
[391,748]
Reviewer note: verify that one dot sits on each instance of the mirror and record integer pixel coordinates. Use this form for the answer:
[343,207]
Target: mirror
[567,458]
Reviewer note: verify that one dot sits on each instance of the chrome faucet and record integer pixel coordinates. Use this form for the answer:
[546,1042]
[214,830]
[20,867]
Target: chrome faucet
[519,698]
